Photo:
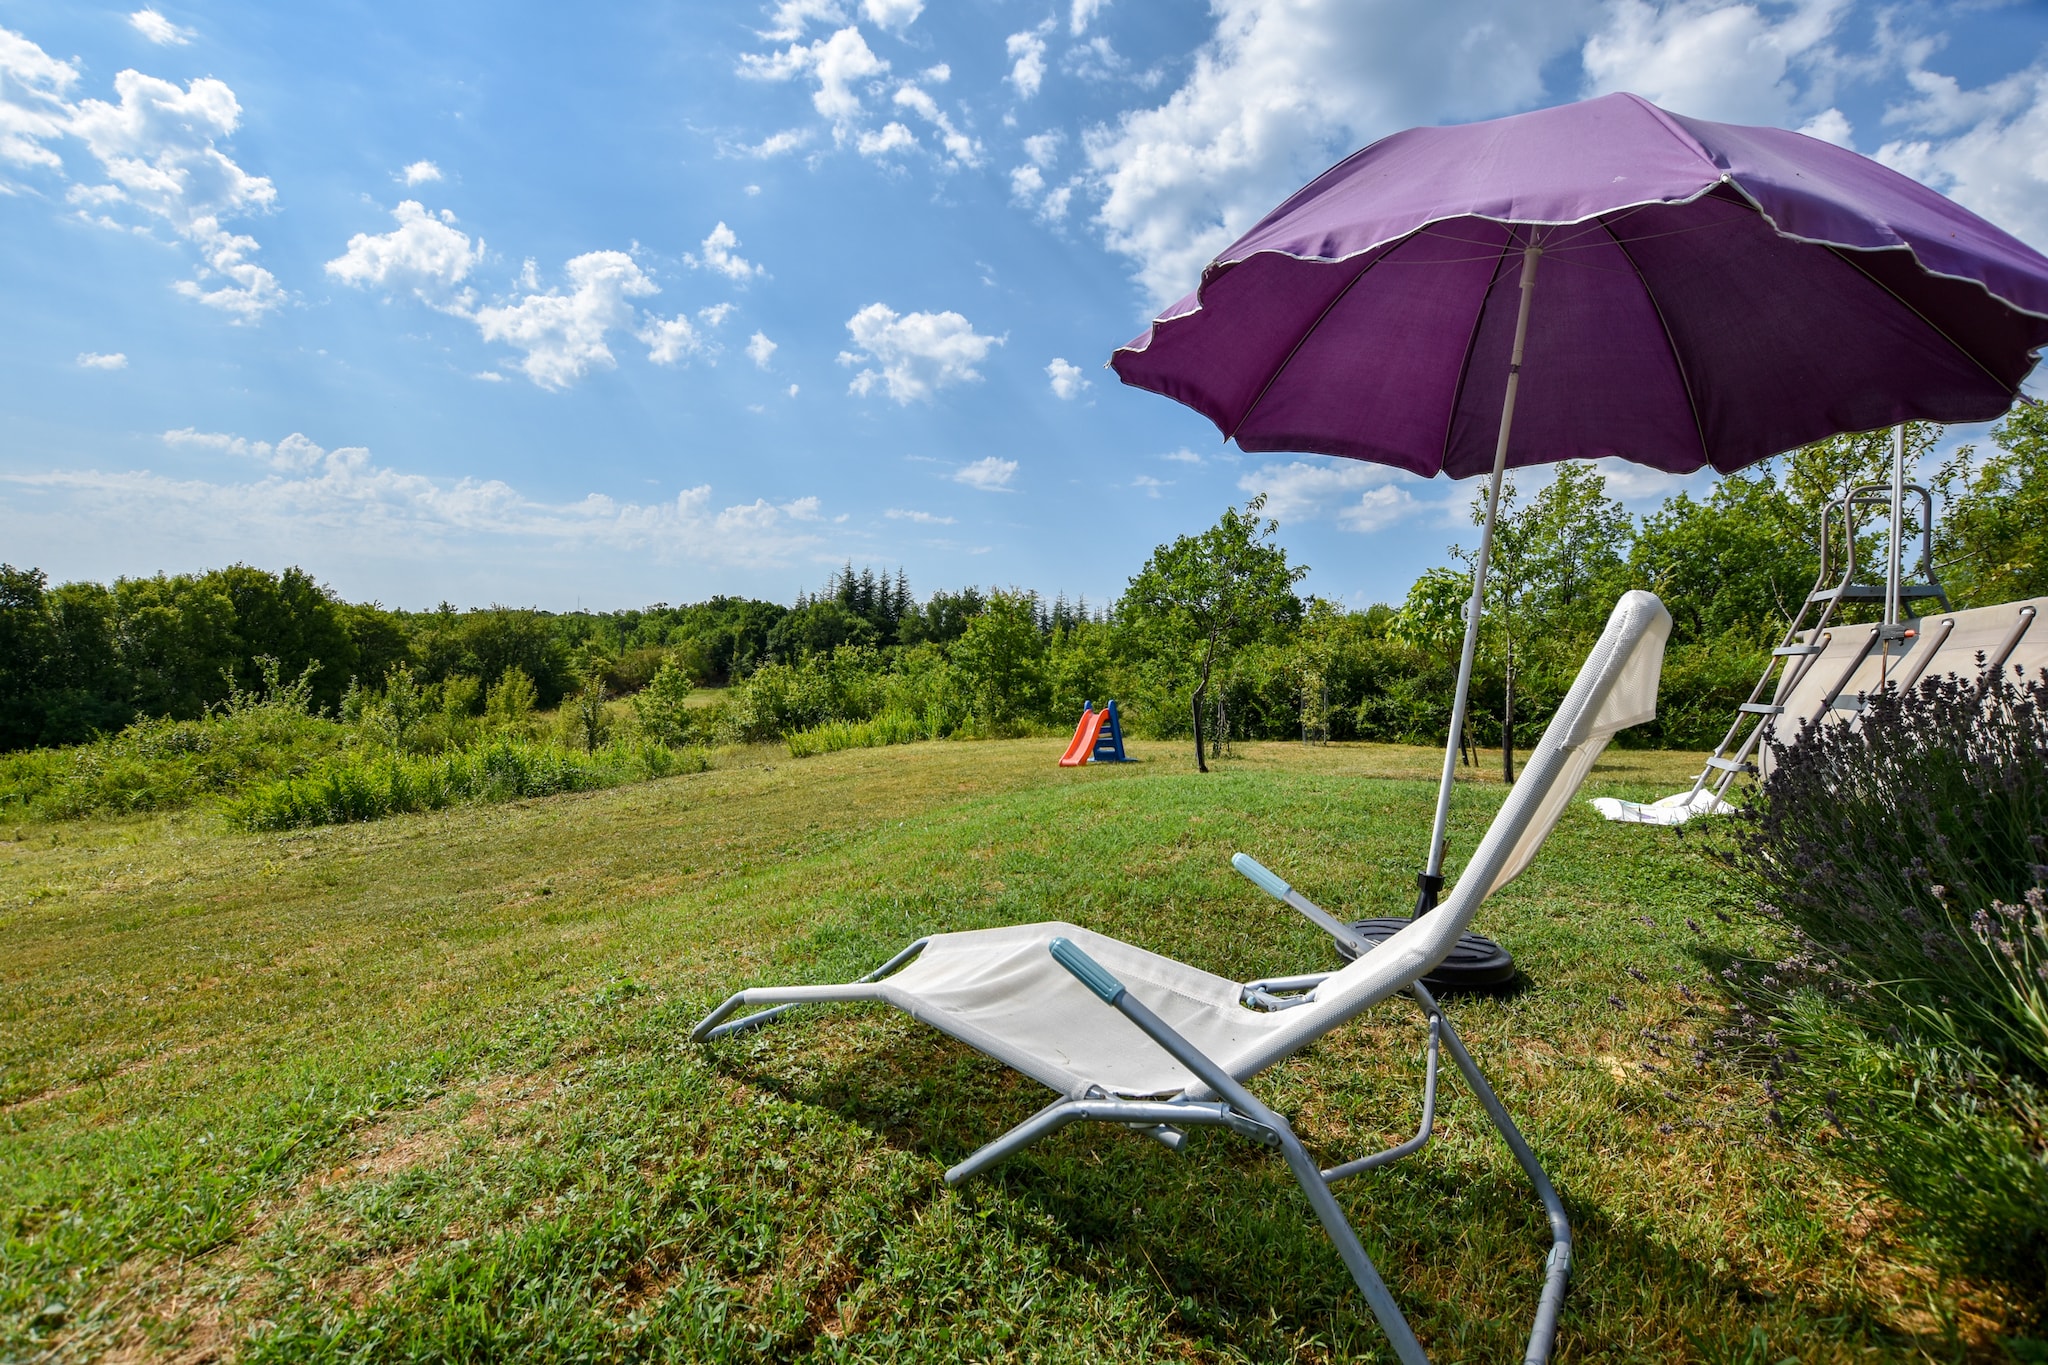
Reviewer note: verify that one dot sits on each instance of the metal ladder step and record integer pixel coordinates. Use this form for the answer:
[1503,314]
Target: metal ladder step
[1725,765]
[1874,592]
[1798,651]
[1759,708]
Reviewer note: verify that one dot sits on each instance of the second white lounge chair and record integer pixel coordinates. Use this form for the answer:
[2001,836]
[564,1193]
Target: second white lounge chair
[1125,1036]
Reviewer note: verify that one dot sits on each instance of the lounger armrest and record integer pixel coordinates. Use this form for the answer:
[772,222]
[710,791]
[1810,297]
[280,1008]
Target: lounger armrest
[1086,970]
[1276,886]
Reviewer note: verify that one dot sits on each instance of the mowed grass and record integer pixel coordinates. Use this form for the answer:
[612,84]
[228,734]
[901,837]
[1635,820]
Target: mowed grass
[422,1090]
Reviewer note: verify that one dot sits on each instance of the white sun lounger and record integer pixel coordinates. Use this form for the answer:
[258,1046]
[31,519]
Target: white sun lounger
[1126,1036]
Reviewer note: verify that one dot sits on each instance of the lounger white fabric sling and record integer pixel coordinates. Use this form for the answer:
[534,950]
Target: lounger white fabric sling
[1175,1042]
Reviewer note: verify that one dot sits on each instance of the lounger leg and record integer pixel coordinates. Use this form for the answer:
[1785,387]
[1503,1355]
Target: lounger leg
[1543,1334]
[712,1026]
[1307,1173]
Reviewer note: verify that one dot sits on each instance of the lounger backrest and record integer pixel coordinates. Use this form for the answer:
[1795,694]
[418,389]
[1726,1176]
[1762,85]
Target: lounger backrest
[1616,688]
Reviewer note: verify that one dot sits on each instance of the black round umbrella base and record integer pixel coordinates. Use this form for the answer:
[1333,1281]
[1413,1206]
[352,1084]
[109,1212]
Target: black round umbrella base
[1476,962]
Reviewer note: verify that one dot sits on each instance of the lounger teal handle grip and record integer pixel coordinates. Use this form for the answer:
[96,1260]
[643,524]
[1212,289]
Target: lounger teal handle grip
[1090,973]
[1267,881]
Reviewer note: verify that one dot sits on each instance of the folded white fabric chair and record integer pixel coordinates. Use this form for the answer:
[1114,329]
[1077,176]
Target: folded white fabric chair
[1174,1043]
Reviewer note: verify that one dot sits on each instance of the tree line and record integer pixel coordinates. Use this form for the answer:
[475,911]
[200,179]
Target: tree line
[1209,641]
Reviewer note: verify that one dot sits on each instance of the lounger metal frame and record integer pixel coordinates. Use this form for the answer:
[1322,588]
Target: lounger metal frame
[1243,1113]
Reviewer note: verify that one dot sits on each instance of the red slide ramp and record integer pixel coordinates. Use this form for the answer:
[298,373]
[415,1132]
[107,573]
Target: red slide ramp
[1084,739]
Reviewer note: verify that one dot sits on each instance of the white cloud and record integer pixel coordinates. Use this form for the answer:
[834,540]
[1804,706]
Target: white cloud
[1028,185]
[1095,60]
[961,150]
[792,390]
[720,256]
[1377,509]
[425,253]
[33,107]
[1301,491]
[1713,60]
[1830,125]
[837,64]
[421,173]
[752,190]
[1986,148]
[936,75]
[158,29]
[894,15]
[920,518]
[563,334]
[1027,54]
[1067,379]
[96,360]
[1282,89]
[669,340]
[919,353]
[1044,148]
[1183,456]
[988,474]
[792,17]
[776,144]
[1150,485]
[715,315]
[894,137]
[1083,14]
[160,150]
[343,495]
[761,350]
[293,454]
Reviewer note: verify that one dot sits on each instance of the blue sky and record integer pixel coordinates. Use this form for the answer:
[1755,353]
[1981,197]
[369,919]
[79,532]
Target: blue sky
[609,305]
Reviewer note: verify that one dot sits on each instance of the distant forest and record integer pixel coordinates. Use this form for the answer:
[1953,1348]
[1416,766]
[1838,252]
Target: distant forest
[79,660]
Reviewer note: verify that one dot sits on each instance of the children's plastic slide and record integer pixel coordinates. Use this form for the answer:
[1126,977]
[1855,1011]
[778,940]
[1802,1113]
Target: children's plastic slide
[1084,739]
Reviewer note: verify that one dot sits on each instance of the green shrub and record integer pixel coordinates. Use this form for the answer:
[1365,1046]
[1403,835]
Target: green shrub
[367,786]
[163,764]
[891,727]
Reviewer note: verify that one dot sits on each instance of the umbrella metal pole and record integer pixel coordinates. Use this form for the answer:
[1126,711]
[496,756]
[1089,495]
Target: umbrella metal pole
[1432,880]
[1893,561]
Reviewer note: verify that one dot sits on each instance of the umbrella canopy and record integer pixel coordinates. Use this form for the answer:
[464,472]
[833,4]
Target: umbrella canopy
[1711,295]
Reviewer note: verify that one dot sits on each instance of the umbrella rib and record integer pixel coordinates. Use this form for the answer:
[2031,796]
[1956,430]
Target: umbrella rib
[1443,457]
[1692,401]
[1843,256]
[1308,332]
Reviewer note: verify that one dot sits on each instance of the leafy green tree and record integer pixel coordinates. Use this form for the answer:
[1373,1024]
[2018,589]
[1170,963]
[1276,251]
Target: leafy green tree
[510,700]
[819,628]
[943,618]
[83,692]
[378,637]
[1207,595]
[290,618]
[398,712]
[175,638]
[25,649]
[1001,659]
[1557,564]
[663,706]
[1994,540]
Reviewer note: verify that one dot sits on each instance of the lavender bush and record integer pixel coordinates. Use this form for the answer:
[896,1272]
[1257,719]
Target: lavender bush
[1905,859]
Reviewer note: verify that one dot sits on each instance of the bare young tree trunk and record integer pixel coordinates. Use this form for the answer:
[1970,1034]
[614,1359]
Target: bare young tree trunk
[1201,691]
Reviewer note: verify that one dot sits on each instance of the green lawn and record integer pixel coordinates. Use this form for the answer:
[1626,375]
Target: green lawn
[421,1089]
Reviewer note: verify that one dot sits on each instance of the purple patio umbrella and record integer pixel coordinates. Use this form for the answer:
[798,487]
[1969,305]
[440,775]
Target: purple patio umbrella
[1711,294]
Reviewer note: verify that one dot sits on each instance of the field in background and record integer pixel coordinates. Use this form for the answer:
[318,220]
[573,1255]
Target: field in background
[421,1087]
